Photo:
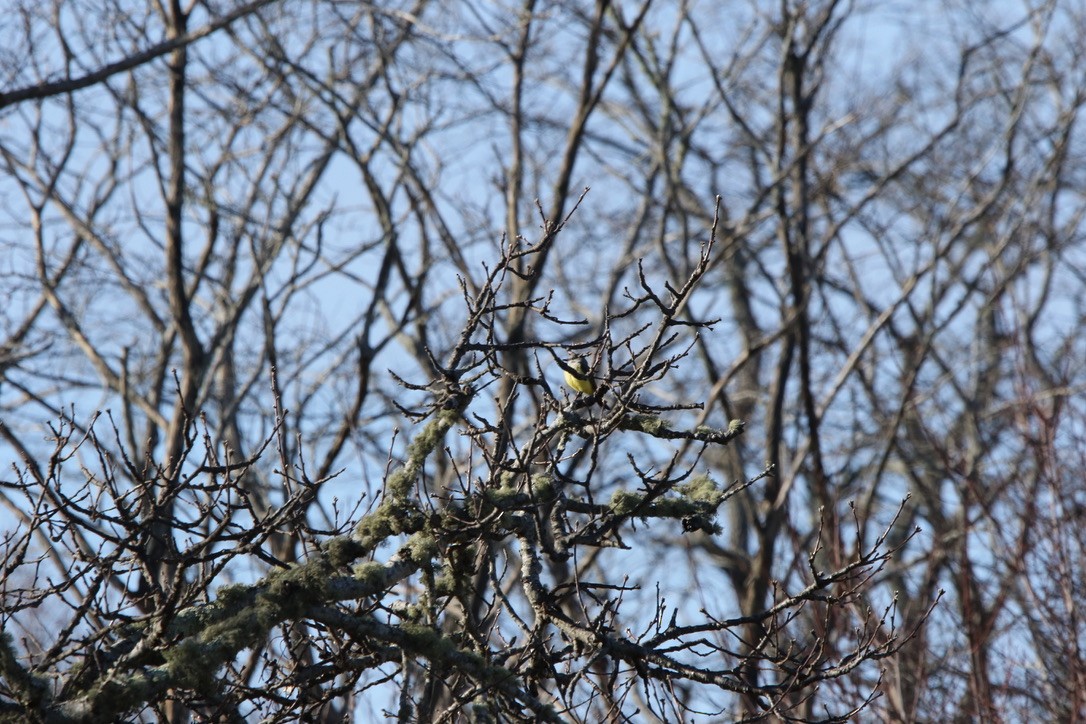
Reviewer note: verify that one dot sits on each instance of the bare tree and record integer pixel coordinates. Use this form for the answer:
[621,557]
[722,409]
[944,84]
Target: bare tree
[292,287]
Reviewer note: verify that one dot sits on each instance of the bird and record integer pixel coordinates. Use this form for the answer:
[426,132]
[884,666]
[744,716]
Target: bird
[578,376]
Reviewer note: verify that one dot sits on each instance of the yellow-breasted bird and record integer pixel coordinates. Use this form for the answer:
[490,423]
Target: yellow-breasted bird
[580,379]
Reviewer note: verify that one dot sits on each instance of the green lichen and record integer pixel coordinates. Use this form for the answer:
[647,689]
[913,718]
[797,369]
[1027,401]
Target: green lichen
[422,547]
[341,550]
[29,689]
[645,423]
[542,485]
[370,573]
[703,489]
[192,665]
[504,497]
[446,583]
[624,502]
[397,513]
